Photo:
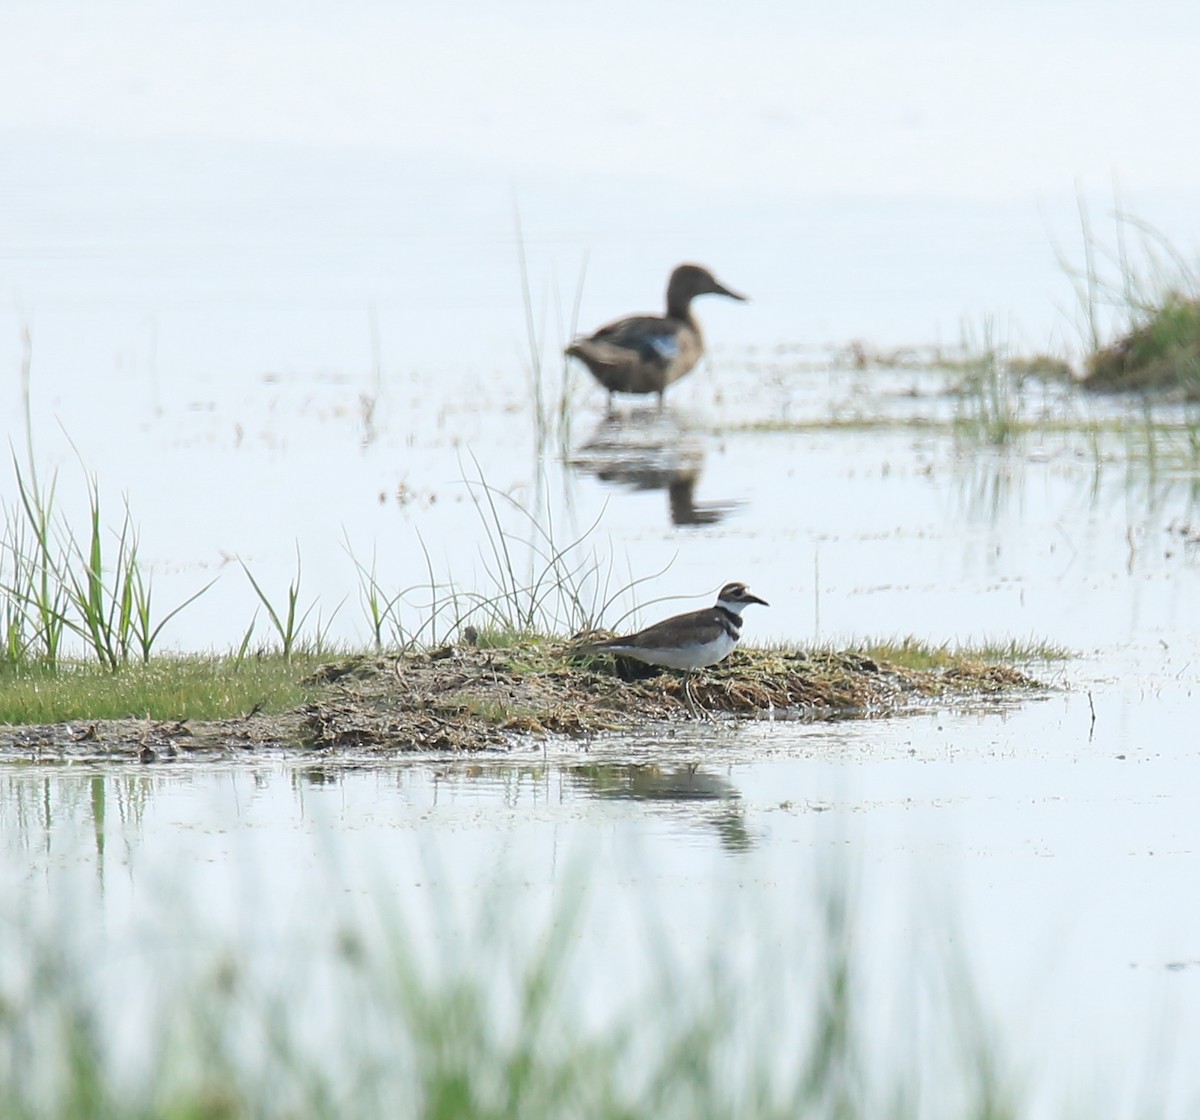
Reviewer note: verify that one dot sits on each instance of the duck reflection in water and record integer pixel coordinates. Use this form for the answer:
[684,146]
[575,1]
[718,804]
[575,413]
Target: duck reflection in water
[651,450]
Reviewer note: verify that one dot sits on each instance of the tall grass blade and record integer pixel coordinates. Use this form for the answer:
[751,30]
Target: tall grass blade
[288,625]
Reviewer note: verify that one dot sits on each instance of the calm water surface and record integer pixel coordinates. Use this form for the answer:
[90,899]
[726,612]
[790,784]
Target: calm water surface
[300,325]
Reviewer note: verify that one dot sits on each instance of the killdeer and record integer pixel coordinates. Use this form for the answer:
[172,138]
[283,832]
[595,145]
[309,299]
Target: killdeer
[646,353]
[688,641]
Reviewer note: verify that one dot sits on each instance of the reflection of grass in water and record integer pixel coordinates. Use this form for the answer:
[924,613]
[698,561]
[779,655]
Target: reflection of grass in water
[1143,467]
[1003,401]
[34,808]
[366,1028]
[1152,448]
[1160,445]
[988,396]
[1147,458]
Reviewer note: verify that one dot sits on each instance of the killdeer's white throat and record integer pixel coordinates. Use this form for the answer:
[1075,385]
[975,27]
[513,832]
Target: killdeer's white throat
[688,641]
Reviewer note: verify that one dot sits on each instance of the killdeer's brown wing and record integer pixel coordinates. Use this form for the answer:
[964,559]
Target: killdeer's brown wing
[694,628]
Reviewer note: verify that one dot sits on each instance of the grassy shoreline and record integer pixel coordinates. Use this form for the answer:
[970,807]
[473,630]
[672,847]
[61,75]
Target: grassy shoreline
[469,697]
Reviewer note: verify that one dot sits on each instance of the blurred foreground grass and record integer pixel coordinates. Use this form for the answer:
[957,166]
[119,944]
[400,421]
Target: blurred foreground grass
[364,1025]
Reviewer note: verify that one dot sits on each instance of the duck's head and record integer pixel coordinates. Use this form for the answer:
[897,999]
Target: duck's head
[691,280]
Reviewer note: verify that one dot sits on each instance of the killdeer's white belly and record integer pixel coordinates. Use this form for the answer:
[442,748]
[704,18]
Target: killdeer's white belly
[686,655]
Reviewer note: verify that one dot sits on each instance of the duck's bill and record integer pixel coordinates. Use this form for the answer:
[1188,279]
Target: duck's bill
[721,290]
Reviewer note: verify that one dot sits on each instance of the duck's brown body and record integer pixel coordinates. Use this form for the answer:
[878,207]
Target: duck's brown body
[646,353]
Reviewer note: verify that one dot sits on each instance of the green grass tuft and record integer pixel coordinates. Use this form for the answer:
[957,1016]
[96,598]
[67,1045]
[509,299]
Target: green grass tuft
[1143,294]
[1161,352]
[57,583]
[913,653]
[168,688]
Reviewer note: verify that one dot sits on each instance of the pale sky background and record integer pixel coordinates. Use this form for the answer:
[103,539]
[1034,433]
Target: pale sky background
[943,99]
[876,170]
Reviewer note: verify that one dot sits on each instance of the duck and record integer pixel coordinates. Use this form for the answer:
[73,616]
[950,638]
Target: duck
[644,354]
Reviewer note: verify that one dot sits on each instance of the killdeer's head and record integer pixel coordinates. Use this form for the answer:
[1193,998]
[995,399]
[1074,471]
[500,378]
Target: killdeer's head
[736,597]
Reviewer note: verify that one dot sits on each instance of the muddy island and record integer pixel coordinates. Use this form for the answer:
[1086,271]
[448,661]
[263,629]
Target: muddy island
[461,698]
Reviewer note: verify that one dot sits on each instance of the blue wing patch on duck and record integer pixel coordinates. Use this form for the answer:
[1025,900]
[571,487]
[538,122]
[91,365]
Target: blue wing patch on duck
[650,339]
[665,346]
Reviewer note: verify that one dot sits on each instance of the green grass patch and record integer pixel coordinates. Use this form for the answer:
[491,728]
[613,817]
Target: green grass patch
[913,653]
[1161,352]
[1141,293]
[499,637]
[168,688]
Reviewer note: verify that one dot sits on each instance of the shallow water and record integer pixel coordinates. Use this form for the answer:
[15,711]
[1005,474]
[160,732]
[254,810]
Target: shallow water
[273,334]
[1053,852]
[1052,858]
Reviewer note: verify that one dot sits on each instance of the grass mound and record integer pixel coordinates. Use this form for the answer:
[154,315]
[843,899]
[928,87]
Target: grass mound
[465,698]
[462,698]
[1162,354]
